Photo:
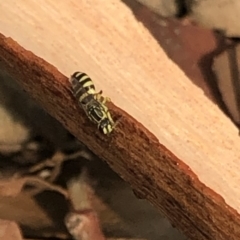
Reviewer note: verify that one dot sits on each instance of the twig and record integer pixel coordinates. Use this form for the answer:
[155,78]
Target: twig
[12,187]
[42,185]
[56,162]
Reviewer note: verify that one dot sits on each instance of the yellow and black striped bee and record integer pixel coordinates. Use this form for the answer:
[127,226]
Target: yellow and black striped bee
[92,103]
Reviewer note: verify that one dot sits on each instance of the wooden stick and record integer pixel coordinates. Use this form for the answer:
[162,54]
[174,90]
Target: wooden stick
[124,60]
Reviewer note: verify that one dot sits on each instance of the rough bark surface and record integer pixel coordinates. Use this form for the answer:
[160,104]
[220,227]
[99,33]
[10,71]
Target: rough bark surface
[153,171]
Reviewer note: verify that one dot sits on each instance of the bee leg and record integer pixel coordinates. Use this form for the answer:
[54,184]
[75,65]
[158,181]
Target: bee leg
[107,99]
[102,99]
[99,93]
[98,96]
[116,122]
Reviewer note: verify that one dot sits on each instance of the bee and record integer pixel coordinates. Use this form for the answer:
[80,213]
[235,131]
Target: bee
[93,103]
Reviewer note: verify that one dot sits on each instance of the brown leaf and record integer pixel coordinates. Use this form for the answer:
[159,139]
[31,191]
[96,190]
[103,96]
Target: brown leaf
[9,230]
[11,187]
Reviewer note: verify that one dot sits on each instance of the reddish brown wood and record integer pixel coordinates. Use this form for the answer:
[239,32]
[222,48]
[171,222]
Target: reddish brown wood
[131,150]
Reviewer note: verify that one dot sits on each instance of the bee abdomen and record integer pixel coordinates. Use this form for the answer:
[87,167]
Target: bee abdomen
[83,87]
[85,82]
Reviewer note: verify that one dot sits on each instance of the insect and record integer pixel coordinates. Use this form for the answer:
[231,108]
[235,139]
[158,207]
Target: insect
[93,103]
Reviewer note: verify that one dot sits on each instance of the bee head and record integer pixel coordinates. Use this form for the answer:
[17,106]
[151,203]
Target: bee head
[105,126]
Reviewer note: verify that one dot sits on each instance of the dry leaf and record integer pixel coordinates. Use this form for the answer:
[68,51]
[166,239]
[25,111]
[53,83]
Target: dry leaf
[9,230]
